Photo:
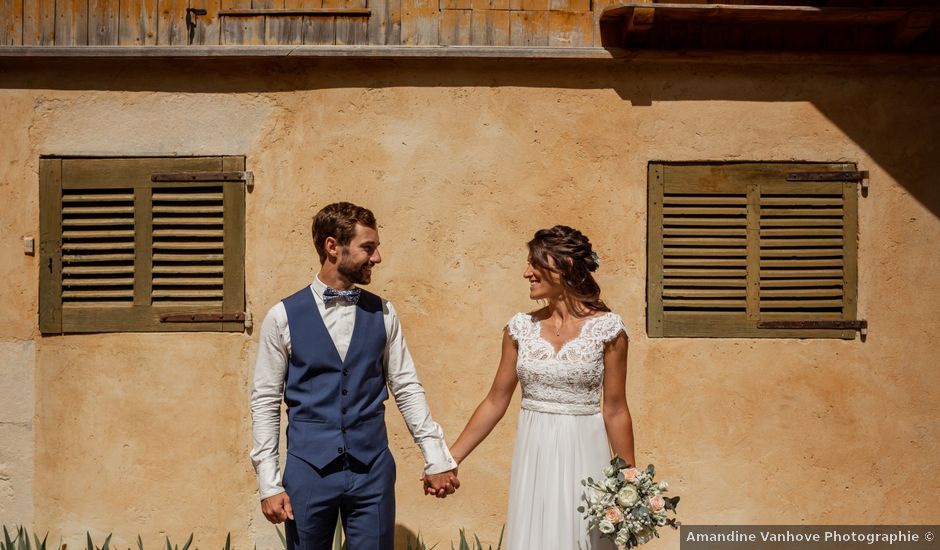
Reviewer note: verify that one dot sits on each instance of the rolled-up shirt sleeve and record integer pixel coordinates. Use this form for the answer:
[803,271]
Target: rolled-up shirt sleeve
[409,395]
[266,394]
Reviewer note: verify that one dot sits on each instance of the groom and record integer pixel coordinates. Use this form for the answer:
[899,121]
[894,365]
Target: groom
[332,351]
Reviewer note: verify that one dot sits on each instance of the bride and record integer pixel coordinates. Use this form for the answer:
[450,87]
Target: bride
[563,355]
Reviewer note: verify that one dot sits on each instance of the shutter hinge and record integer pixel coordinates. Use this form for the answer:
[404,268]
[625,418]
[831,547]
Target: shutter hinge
[860,325]
[245,176]
[238,316]
[860,176]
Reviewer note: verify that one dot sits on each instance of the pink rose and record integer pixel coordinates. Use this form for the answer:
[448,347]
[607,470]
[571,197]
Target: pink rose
[657,503]
[630,474]
[613,515]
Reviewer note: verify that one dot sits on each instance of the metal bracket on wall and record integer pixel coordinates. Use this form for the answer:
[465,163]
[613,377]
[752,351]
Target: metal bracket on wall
[246,176]
[860,325]
[859,177]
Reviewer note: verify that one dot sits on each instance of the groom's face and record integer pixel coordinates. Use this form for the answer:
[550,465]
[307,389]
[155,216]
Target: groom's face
[356,260]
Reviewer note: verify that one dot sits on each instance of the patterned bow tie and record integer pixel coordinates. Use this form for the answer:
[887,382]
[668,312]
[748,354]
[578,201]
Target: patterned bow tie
[331,295]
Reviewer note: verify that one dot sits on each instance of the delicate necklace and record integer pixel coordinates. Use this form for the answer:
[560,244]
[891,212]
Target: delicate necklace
[558,328]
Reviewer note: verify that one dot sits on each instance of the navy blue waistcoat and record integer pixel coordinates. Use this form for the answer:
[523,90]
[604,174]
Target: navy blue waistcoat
[335,406]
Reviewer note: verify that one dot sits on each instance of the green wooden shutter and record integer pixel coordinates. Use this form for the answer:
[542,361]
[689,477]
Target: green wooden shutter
[119,251]
[734,245]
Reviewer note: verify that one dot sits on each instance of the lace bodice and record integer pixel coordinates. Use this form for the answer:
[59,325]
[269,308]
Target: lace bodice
[567,382]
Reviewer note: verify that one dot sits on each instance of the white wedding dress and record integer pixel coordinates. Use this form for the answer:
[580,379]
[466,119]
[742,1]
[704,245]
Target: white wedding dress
[561,438]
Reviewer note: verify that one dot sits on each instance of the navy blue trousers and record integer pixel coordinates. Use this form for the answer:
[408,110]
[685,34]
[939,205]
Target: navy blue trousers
[362,494]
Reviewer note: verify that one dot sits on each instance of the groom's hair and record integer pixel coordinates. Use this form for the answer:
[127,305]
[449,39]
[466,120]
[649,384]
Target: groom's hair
[338,220]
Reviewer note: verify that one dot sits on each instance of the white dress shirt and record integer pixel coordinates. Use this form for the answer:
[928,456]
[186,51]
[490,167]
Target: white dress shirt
[268,386]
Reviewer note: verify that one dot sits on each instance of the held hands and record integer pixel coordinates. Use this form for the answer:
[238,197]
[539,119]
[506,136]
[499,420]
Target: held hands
[277,508]
[442,484]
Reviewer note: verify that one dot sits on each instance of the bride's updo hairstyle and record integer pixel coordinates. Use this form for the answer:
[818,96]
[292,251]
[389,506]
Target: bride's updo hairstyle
[574,261]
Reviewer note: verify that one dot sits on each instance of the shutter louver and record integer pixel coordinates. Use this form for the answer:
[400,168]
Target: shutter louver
[801,254]
[705,252]
[188,246]
[97,247]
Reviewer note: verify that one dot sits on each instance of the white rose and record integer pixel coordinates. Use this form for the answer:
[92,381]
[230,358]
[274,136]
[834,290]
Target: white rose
[610,471]
[663,486]
[606,527]
[612,483]
[628,496]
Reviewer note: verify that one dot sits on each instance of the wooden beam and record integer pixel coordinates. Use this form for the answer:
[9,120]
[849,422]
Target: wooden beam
[699,13]
[309,12]
[637,24]
[912,26]
[930,63]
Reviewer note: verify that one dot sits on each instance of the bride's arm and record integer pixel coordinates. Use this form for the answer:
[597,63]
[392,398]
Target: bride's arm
[494,405]
[616,413]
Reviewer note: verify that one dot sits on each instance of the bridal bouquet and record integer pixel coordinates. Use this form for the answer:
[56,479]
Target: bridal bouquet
[627,505]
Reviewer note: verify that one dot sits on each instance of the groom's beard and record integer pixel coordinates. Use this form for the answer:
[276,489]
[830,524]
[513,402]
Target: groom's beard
[359,274]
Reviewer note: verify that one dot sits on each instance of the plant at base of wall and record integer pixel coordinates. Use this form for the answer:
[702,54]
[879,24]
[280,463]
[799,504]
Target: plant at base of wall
[417,543]
[22,542]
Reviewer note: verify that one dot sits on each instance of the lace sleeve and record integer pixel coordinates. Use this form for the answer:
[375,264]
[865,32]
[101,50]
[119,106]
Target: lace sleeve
[517,326]
[608,327]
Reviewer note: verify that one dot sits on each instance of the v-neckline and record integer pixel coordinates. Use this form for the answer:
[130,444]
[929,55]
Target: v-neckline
[557,352]
[352,337]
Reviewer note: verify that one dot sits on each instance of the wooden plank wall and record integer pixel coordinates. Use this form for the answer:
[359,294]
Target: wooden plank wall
[524,23]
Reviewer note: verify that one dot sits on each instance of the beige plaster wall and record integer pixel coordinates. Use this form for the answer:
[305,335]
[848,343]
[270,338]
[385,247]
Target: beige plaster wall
[461,162]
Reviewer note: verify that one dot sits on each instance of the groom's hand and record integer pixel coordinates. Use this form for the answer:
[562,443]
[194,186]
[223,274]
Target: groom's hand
[277,508]
[442,484]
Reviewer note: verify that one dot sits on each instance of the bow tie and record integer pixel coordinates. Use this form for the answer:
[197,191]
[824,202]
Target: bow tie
[331,295]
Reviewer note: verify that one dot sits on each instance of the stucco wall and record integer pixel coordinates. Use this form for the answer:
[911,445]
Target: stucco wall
[461,162]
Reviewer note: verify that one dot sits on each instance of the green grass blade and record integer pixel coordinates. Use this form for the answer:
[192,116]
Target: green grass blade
[7,541]
[140,543]
[189,542]
[499,545]
[168,545]
[228,541]
[107,543]
[91,545]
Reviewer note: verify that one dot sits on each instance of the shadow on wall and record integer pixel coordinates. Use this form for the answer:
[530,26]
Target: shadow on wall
[904,107]
[403,536]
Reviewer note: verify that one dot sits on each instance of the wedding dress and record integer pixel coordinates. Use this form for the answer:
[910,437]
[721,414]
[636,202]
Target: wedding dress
[561,438]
